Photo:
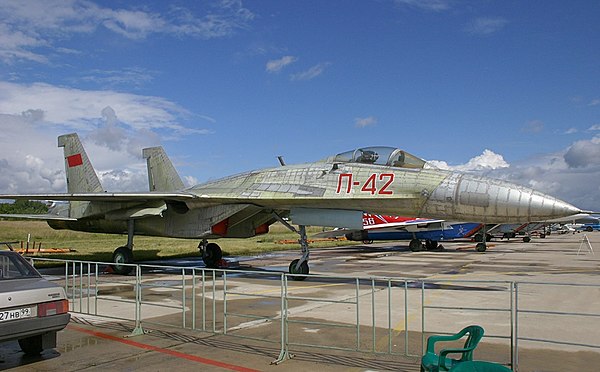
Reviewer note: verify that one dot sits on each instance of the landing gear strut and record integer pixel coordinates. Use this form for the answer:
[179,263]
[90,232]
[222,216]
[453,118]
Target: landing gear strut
[124,255]
[298,267]
[482,246]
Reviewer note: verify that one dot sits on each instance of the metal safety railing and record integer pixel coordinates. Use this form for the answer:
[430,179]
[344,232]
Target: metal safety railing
[566,296]
[370,315]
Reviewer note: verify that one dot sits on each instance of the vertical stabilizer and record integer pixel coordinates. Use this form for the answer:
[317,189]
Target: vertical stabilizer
[162,175]
[81,176]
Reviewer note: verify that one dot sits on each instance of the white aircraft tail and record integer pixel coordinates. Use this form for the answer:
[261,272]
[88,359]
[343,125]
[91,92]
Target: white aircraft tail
[81,176]
[162,175]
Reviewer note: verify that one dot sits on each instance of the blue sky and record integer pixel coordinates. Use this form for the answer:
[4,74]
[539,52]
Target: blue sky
[508,88]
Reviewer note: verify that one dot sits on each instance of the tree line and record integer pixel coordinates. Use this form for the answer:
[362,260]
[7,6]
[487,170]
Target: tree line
[23,207]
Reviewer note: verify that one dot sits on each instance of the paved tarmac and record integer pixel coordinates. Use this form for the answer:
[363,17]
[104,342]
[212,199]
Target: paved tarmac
[458,278]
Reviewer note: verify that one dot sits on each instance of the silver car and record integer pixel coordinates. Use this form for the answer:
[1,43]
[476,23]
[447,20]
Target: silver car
[32,309]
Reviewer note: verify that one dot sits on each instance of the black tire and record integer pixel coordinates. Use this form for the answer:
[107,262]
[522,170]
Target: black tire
[526,239]
[31,345]
[589,229]
[480,247]
[298,274]
[211,255]
[415,245]
[431,244]
[122,255]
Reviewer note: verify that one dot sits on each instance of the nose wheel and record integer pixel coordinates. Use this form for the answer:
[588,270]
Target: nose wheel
[481,247]
[298,267]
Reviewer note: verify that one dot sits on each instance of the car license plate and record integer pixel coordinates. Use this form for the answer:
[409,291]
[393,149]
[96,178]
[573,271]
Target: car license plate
[15,314]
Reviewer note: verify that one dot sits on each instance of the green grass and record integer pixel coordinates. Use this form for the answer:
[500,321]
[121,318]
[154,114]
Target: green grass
[99,247]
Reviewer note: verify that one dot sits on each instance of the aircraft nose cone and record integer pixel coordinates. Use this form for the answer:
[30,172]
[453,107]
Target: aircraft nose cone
[543,207]
[477,198]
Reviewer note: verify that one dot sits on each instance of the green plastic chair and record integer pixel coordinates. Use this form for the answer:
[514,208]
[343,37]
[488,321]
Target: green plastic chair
[432,362]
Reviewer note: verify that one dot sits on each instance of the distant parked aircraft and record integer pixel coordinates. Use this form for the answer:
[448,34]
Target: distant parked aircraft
[422,232]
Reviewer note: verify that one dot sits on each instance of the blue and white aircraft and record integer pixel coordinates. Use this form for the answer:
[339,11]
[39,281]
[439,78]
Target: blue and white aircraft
[423,233]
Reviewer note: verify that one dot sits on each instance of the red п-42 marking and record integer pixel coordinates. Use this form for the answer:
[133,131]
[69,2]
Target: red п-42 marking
[375,184]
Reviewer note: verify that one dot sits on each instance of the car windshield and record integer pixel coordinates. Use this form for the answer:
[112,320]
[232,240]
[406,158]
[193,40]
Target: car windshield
[14,266]
[390,156]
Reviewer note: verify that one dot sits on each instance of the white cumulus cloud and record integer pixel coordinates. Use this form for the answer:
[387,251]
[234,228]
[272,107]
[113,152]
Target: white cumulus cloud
[583,153]
[113,126]
[488,160]
[28,25]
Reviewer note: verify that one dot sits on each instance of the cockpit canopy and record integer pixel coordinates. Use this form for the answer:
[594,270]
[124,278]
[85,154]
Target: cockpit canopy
[381,155]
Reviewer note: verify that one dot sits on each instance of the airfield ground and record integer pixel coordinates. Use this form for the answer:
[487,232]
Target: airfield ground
[95,343]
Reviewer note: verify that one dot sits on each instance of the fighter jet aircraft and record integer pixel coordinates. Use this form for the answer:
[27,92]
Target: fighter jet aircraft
[330,192]
[423,233]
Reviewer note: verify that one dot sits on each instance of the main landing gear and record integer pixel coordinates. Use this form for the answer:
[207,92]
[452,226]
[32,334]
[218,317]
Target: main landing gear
[123,256]
[482,245]
[416,245]
[211,254]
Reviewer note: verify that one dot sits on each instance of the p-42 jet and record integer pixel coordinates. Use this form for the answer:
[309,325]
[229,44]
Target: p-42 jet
[332,192]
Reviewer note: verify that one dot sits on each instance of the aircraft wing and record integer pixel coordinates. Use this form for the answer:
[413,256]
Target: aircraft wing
[44,217]
[335,233]
[403,225]
[400,225]
[106,196]
[140,197]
